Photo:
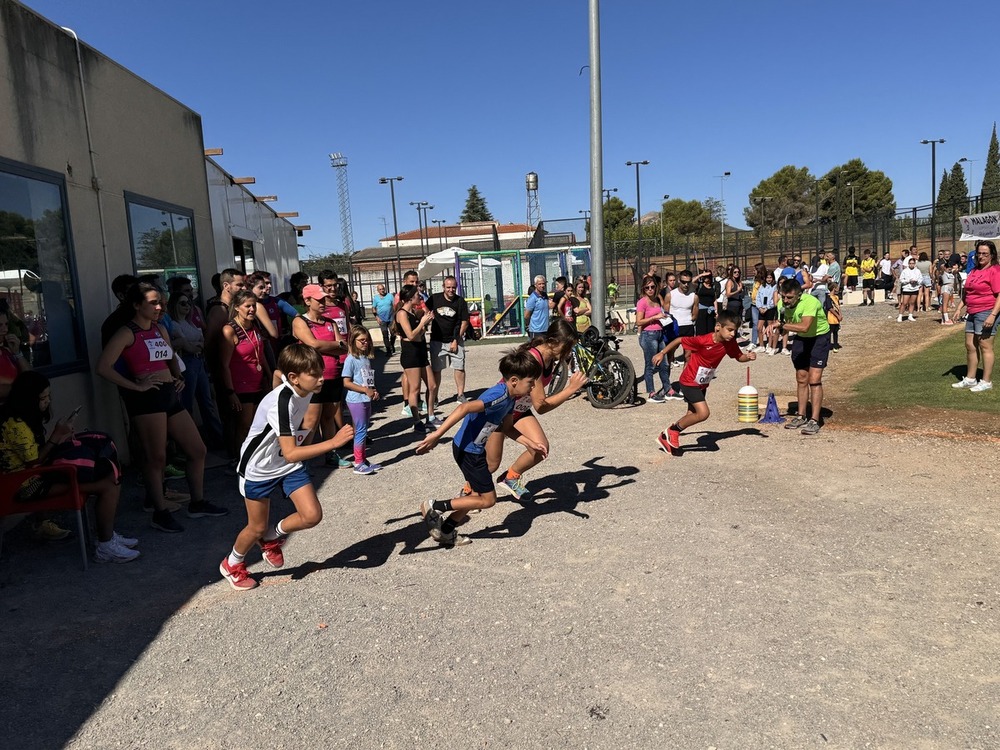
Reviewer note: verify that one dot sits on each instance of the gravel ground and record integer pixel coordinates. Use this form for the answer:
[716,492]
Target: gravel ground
[765,589]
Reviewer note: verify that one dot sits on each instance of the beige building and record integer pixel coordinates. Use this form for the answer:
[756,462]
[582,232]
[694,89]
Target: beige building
[102,173]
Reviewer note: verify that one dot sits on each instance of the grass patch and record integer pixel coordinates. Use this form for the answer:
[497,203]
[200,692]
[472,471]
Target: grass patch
[924,379]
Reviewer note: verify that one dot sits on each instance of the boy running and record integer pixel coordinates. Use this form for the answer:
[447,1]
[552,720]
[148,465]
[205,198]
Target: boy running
[480,418]
[272,456]
[705,354]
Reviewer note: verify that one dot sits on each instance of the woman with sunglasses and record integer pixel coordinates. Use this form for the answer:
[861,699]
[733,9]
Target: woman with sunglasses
[650,320]
[188,339]
[982,302]
[705,290]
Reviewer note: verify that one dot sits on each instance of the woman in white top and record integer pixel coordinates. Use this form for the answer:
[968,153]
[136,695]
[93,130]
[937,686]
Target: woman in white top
[909,286]
[188,340]
[947,281]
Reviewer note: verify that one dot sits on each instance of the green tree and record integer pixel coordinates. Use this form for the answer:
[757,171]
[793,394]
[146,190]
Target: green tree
[872,191]
[944,190]
[339,263]
[475,208]
[991,176]
[787,198]
[681,217]
[617,215]
[953,191]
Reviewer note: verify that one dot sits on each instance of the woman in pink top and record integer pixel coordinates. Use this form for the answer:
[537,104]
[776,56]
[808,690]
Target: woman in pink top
[649,319]
[140,361]
[982,300]
[245,370]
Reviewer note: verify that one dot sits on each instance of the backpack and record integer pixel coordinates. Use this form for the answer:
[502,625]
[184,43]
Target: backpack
[94,454]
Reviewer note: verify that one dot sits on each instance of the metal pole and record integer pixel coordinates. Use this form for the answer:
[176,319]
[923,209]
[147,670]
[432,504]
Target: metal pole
[638,212]
[395,224]
[934,142]
[596,166]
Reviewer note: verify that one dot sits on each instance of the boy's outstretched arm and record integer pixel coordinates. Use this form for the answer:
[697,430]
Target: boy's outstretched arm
[469,407]
[668,349]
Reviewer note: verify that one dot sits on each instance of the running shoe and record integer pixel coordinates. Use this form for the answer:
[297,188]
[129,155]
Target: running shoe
[796,423]
[203,508]
[515,488]
[965,383]
[787,352]
[423,408]
[50,531]
[673,438]
[453,539]
[125,541]
[432,518]
[436,421]
[113,552]
[167,504]
[899,318]
[656,398]
[172,472]
[407,412]
[237,575]
[982,385]
[364,469]
[174,496]
[163,521]
[769,351]
[461,398]
[810,428]
[271,551]
[423,428]
[911,319]
[661,442]
[673,395]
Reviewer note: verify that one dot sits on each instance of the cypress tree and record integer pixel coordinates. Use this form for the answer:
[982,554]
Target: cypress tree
[944,192]
[991,176]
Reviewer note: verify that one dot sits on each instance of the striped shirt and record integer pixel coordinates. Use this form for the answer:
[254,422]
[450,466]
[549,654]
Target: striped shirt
[279,415]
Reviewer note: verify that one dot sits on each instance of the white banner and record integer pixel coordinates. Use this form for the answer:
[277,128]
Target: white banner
[981,226]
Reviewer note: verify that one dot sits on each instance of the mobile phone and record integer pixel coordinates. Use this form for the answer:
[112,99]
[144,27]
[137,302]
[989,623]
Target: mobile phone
[76,411]
[987,332]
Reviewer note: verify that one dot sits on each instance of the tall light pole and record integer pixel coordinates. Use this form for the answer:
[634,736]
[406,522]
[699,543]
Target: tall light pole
[440,223]
[638,209]
[968,177]
[666,197]
[934,144]
[395,225]
[722,206]
[420,222]
[427,228]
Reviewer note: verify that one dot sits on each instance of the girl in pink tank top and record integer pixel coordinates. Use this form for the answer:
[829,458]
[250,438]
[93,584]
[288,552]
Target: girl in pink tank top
[244,367]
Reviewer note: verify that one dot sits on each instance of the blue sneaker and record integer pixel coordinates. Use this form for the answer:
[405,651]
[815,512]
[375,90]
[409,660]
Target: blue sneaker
[364,469]
[407,412]
[656,398]
[515,487]
[423,408]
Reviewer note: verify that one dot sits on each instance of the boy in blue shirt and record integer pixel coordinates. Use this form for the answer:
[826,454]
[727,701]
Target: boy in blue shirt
[479,417]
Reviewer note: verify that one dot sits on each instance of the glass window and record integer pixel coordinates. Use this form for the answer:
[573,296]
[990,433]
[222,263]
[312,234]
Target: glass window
[36,269]
[162,241]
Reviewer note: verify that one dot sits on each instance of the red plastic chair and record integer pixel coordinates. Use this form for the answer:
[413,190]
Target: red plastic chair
[69,498]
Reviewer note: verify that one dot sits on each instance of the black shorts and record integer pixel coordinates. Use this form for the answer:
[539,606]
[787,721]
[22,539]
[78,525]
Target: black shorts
[770,315]
[867,283]
[693,394]
[160,400]
[811,351]
[331,392]
[474,469]
[254,397]
[413,355]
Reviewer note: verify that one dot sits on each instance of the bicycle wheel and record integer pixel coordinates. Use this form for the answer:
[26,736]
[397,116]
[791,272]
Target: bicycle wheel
[559,377]
[611,380]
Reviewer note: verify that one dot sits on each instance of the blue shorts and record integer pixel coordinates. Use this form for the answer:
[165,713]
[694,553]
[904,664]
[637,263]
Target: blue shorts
[974,322]
[252,490]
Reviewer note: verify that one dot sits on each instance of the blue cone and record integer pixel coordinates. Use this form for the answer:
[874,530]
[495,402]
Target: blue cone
[771,414]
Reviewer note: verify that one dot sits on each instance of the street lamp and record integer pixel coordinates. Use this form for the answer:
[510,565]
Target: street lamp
[722,206]
[968,175]
[934,143]
[420,222]
[440,223]
[427,228]
[638,209]
[666,197]
[395,225]
[607,193]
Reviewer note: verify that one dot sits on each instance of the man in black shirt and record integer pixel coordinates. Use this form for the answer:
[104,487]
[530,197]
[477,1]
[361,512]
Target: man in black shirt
[451,319]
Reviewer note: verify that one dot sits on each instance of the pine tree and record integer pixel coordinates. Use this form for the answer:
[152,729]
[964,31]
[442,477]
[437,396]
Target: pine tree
[475,208]
[944,191]
[959,188]
[990,191]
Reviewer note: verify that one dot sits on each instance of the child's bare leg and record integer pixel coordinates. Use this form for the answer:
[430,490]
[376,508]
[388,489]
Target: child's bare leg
[258,511]
[476,501]
[308,511]
[697,412]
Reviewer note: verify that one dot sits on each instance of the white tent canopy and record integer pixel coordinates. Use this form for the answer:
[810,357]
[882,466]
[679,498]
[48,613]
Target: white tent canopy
[444,261]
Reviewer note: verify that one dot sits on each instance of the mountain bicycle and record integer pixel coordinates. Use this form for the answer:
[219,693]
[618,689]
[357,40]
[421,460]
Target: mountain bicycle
[610,375]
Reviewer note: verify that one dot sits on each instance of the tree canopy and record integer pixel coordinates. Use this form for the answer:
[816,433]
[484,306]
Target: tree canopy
[991,176]
[475,208]
[785,198]
[687,217]
[617,215]
[872,191]
[953,190]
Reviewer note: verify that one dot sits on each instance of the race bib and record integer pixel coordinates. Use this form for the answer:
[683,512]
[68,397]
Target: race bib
[159,350]
[369,378]
[705,375]
[341,325]
[485,433]
[522,405]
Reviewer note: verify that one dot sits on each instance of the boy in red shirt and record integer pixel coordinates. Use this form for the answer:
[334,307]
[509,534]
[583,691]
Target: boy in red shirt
[705,354]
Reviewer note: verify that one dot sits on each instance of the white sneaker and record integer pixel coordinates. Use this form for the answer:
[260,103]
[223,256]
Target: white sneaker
[113,552]
[899,318]
[911,319]
[769,351]
[787,352]
[982,385]
[966,383]
[752,348]
[124,541]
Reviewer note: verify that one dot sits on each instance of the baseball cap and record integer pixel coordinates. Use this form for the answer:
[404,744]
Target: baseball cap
[313,291]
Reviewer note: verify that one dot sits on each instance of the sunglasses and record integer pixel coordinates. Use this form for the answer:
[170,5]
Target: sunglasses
[650,286]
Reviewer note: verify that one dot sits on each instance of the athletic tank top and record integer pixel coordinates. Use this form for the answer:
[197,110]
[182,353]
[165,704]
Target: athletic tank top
[418,346]
[325,330]
[246,366]
[149,353]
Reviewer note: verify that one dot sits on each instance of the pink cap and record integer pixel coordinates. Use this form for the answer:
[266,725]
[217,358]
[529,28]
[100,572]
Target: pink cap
[314,291]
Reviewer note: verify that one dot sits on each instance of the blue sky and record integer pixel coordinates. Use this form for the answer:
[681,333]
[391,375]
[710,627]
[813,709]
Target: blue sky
[449,94]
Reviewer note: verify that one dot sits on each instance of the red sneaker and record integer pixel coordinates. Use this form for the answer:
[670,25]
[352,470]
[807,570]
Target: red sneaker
[237,575]
[674,438]
[661,441]
[272,552]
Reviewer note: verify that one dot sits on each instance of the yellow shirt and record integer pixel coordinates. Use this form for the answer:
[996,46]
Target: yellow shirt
[868,268]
